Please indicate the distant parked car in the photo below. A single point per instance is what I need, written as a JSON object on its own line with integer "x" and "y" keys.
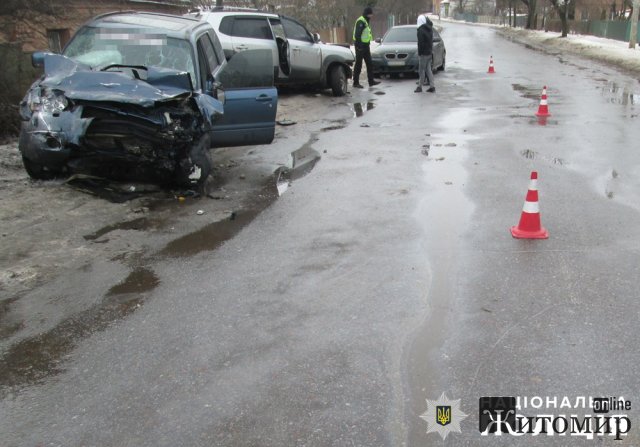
{"x": 398, "y": 52}
{"x": 144, "y": 96}
{"x": 299, "y": 57}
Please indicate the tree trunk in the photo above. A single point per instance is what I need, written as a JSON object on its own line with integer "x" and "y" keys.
{"x": 634, "y": 24}
{"x": 531, "y": 14}
{"x": 563, "y": 19}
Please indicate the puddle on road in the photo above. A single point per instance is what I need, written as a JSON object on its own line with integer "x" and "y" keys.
{"x": 30, "y": 361}
{"x": 139, "y": 280}
{"x": 303, "y": 160}
{"x": 527, "y": 92}
{"x": 337, "y": 125}
{"x": 213, "y": 235}
{"x": 531, "y": 154}
{"x": 541, "y": 121}
{"x": 379, "y": 93}
{"x": 8, "y": 325}
{"x": 360, "y": 108}
{"x": 139, "y": 224}
{"x": 616, "y": 94}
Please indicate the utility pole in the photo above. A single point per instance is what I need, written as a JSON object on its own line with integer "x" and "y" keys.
{"x": 634, "y": 24}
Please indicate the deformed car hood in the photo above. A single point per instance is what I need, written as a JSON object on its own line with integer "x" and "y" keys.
{"x": 395, "y": 46}
{"x": 79, "y": 82}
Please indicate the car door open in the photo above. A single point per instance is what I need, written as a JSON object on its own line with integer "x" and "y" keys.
{"x": 306, "y": 58}
{"x": 250, "y": 100}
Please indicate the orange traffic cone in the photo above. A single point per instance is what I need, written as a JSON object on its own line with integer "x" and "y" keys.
{"x": 529, "y": 226}
{"x": 543, "y": 108}
{"x": 491, "y": 69}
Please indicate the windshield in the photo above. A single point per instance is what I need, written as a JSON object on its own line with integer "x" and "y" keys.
{"x": 101, "y": 47}
{"x": 401, "y": 35}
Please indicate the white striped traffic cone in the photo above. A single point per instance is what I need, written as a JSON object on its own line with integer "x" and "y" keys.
{"x": 543, "y": 108}
{"x": 530, "y": 226}
{"x": 491, "y": 69}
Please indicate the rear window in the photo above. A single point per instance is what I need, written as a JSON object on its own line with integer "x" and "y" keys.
{"x": 252, "y": 27}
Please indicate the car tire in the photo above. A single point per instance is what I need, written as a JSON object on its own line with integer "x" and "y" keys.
{"x": 198, "y": 159}
{"x": 444, "y": 58}
{"x": 202, "y": 161}
{"x": 338, "y": 81}
{"x": 37, "y": 171}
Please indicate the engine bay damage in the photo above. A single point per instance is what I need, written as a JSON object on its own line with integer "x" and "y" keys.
{"x": 121, "y": 122}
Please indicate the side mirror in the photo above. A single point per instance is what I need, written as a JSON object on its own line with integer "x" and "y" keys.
{"x": 37, "y": 59}
{"x": 316, "y": 37}
{"x": 218, "y": 92}
{"x": 214, "y": 88}
{"x": 378, "y": 40}
{"x": 210, "y": 85}
{"x": 220, "y": 96}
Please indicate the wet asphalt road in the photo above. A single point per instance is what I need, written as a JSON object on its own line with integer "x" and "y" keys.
{"x": 387, "y": 276}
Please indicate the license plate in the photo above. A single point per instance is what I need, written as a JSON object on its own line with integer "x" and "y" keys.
{"x": 395, "y": 63}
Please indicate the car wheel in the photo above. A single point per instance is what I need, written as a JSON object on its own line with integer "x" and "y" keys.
{"x": 444, "y": 58}
{"x": 338, "y": 81}
{"x": 201, "y": 161}
{"x": 195, "y": 169}
{"x": 37, "y": 171}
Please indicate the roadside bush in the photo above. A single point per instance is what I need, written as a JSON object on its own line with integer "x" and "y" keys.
{"x": 16, "y": 76}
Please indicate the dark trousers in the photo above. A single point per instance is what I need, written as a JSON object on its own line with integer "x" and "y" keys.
{"x": 363, "y": 53}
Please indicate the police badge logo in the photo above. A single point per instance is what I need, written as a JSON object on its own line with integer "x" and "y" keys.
{"x": 443, "y": 416}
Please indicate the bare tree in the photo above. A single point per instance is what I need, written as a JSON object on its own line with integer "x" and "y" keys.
{"x": 531, "y": 12}
{"x": 461, "y": 5}
{"x": 562, "y": 8}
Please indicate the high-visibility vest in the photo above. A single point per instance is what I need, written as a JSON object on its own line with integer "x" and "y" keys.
{"x": 366, "y": 32}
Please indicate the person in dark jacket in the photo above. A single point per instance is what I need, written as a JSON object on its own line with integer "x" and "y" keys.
{"x": 425, "y": 53}
{"x": 362, "y": 37}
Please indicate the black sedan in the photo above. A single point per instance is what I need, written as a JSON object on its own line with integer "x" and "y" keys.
{"x": 398, "y": 51}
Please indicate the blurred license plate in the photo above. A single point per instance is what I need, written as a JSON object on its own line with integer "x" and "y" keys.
{"x": 395, "y": 63}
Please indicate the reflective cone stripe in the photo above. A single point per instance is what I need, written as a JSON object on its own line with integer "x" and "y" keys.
{"x": 529, "y": 226}
{"x": 543, "y": 108}
{"x": 491, "y": 69}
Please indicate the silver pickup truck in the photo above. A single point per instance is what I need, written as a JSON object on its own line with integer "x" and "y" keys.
{"x": 299, "y": 57}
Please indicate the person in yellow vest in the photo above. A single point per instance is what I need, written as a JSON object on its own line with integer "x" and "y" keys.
{"x": 362, "y": 37}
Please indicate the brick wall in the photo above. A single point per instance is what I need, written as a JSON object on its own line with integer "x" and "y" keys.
{"x": 42, "y": 32}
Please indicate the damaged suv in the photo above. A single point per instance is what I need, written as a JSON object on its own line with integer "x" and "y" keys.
{"x": 299, "y": 57}
{"x": 144, "y": 96}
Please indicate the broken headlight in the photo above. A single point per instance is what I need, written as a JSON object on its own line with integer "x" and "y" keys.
{"x": 47, "y": 101}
